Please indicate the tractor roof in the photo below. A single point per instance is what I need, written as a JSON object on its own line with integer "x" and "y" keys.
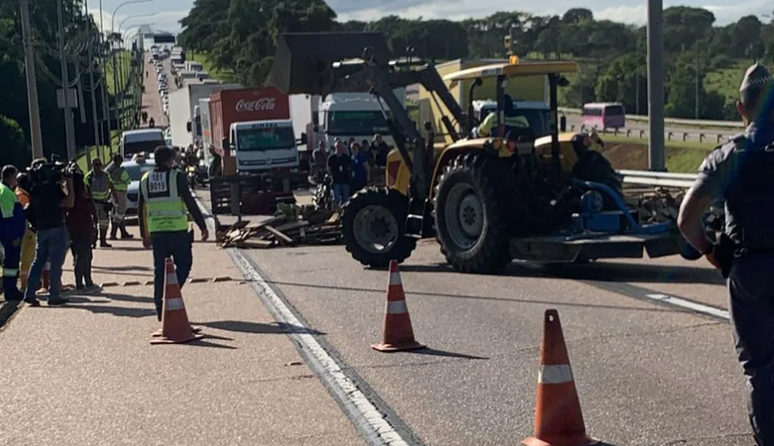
{"x": 511, "y": 70}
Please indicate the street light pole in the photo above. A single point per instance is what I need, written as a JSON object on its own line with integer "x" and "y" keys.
{"x": 103, "y": 85}
{"x": 68, "y": 116}
{"x": 655, "y": 85}
{"x": 32, "y": 87}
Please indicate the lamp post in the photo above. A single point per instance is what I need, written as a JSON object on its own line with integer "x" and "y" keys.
{"x": 123, "y": 76}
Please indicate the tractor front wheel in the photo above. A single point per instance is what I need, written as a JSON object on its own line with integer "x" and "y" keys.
{"x": 373, "y": 223}
{"x": 472, "y": 215}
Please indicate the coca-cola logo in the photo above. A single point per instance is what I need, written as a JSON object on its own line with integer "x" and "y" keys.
{"x": 257, "y": 105}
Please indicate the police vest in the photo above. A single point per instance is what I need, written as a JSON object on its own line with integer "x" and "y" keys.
{"x": 8, "y": 201}
{"x": 750, "y": 197}
{"x": 164, "y": 206}
{"x": 99, "y": 184}
{"x": 121, "y": 179}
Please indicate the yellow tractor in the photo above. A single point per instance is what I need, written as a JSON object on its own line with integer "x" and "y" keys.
{"x": 527, "y": 192}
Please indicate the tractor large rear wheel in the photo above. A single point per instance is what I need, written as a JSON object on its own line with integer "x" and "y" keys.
{"x": 472, "y": 215}
{"x": 373, "y": 223}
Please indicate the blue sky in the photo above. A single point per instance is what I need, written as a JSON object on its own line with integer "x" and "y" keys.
{"x": 167, "y": 13}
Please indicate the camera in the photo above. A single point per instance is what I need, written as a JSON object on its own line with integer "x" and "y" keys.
{"x": 45, "y": 178}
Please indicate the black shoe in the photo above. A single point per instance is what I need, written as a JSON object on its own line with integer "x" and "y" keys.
{"x": 79, "y": 287}
{"x": 33, "y": 302}
{"x": 60, "y": 301}
{"x": 14, "y": 297}
{"x": 105, "y": 244}
{"x": 127, "y": 236}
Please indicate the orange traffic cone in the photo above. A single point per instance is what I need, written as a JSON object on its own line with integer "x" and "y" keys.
{"x": 398, "y": 334}
{"x": 558, "y": 417}
{"x": 175, "y": 328}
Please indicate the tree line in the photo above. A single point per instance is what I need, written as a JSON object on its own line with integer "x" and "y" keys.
{"x": 240, "y": 36}
{"x": 80, "y": 35}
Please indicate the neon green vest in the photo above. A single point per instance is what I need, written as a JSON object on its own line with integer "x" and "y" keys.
{"x": 165, "y": 207}
{"x": 8, "y": 200}
{"x": 100, "y": 185}
{"x": 121, "y": 179}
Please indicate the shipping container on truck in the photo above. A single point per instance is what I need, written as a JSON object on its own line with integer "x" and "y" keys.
{"x": 182, "y": 103}
{"x": 252, "y": 131}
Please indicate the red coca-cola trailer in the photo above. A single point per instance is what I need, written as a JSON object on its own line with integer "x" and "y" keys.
{"x": 247, "y": 104}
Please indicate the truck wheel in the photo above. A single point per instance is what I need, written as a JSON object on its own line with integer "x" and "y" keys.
{"x": 472, "y": 215}
{"x": 373, "y": 223}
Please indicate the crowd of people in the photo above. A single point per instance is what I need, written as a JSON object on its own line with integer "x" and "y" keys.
{"x": 50, "y": 208}
{"x": 350, "y": 164}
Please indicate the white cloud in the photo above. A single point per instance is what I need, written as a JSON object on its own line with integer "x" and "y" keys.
{"x": 637, "y": 15}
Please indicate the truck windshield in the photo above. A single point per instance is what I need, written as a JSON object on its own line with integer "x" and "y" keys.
{"x": 356, "y": 123}
{"x": 267, "y": 138}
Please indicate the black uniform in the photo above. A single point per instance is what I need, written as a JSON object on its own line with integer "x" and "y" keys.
{"x": 741, "y": 172}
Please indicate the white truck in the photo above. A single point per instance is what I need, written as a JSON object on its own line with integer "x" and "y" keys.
{"x": 350, "y": 115}
{"x": 182, "y": 105}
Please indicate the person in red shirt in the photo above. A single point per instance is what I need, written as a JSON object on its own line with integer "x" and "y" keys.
{"x": 81, "y": 220}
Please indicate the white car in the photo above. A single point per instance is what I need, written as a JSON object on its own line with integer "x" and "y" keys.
{"x": 136, "y": 169}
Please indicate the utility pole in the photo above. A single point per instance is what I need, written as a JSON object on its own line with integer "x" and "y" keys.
{"x": 97, "y": 135}
{"x": 103, "y": 84}
{"x": 32, "y": 86}
{"x": 696, "y": 78}
{"x": 655, "y": 85}
{"x": 68, "y": 116}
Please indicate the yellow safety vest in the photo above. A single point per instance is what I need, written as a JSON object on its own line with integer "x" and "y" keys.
{"x": 491, "y": 123}
{"x": 165, "y": 208}
{"x": 8, "y": 200}
{"x": 121, "y": 179}
{"x": 99, "y": 185}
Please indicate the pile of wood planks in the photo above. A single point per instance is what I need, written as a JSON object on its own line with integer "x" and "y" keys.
{"x": 292, "y": 226}
{"x": 660, "y": 205}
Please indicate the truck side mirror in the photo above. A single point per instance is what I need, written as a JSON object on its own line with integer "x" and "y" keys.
{"x": 188, "y": 126}
{"x": 563, "y": 123}
{"x": 304, "y": 139}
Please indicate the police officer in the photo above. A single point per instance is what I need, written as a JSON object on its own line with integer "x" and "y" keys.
{"x": 121, "y": 181}
{"x": 164, "y": 198}
{"x": 740, "y": 172}
{"x": 512, "y": 121}
{"x": 12, "y": 225}
{"x": 101, "y": 189}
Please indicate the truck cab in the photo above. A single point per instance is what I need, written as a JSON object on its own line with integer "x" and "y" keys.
{"x": 263, "y": 145}
{"x": 352, "y": 115}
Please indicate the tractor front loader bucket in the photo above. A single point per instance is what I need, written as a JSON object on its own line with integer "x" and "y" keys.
{"x": 303, "y": 63}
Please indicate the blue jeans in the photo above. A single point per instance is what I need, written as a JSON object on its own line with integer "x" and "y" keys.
{"x": 340, "y": 194}
{"x": 51, "y": 246}
{"x": 176, "y": 245}
{"x": 751, "y": 289}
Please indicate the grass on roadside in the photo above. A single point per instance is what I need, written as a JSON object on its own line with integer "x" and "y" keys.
{"x": 123, "y": 59}
{"x": 632, "y": 153}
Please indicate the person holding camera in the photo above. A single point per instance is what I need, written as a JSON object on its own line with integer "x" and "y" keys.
{"x": 101, "y": 187}
{"x": 12, "y": 225}
{"x": 51, "y": 193}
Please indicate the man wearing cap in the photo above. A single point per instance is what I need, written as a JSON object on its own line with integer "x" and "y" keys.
{"x": 121, "y": 181}
{"x": 101, "y": 186}
{"x": 741, "y": 173}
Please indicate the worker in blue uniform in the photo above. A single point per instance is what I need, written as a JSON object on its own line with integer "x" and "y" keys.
{"x": 741, "y": 173}
{"x": 12, "y": 226}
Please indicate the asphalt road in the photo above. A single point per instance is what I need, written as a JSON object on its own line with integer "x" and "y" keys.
{"x": 647, "y": 373}
{"x": 711, "y": 134}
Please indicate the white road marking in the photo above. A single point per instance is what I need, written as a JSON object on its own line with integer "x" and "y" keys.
{"x": 689, "y": 305}
{"x": 365, "y": 414}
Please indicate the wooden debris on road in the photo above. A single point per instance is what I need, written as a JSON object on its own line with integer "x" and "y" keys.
{"x": 293, "y": 226}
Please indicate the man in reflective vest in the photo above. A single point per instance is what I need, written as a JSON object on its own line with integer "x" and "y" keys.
{"x": 101, "y": 189}
{"x": 12, "y": 225}
{"x": 490, "y": 125}
{"x": 121, "y": 181}
{"x": 164, "y": 198}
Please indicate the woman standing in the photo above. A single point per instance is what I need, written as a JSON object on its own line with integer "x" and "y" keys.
{"x": 81, "y": 219}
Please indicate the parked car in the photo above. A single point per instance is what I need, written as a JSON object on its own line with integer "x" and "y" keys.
{"x": 136, "y": 169}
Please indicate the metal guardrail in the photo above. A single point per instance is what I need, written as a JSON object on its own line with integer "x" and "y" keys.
{"x": 672, "y": 121}
{"x": 711, "y": 137}
{"x": 658, "y": 179}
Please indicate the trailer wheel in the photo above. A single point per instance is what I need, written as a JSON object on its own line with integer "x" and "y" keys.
{"x": 373, "y": 223}
{"x": 472, "y": 215}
